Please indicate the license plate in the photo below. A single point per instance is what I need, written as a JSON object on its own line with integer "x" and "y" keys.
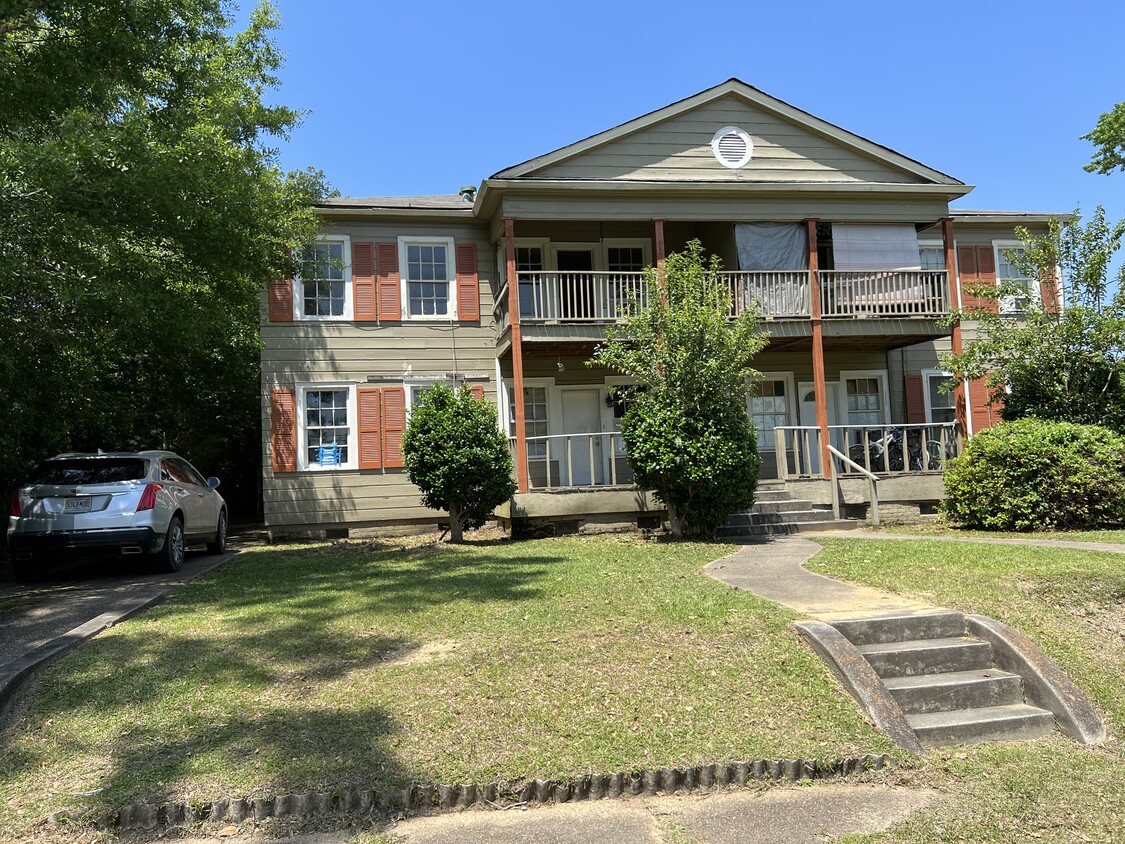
{"x": 76, "y": 505}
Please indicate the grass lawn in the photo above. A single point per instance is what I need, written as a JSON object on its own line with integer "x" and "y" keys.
{"x": 1072, "y": 603}
{"x": 939, "y": 528}
{"x": 302, "y": 668}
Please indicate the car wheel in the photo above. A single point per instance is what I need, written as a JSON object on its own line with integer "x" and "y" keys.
{"x": 219, "y": 544}
{"x": 171, "y": 556}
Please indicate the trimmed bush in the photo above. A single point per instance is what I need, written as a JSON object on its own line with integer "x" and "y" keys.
{"x": 1035, "y": 475}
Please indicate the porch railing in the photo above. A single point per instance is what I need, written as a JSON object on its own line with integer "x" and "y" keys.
{"x": 881, "y": 449}
{"x": 574, "y": 461}
{"x": 604, "y": 297}
{"x": 896, "y": 293}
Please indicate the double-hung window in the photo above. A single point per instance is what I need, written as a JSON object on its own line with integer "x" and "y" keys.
{"x": 324, "y": 286}
{"x": 865, "y": 401}
{"x": 326, "y": 426}
{"x": 532, "y": 284}
{"x": 536, "y": 422}
{"x": 428, "y": 277}
{"x": 940, "y": 406}
{"x": 769, "y": 409}
{"x": 1016, "y": 289}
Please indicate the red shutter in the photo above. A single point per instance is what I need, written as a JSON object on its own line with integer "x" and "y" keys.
{"x": 370, "y": 429}
{"x": 986, "y": 268}
{"x": 363, "y": 282}
{"x": 915, "y": 400}
{"x": 967, "y": 263}
{"x": 984, "y": 415}
{"x": 478, "y": 391}
{"x": 1049, "y": 291}
{"x": 283, "y": 437}
{"x": 468, "y": 283}
{"x": 281, "y": 300}
{"x": 394, "y": 423}
{"x": 387, "y": 281}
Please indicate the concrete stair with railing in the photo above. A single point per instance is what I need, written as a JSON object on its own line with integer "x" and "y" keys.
{"x": 777, "y": 512}
{"x": 945, "y": 682}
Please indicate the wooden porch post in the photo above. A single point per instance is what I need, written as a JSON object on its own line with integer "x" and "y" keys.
{"x": 522, "y": 484}
{"x": 819, "y": 385}
{"x": 658, "y": 225}
{"x": 960, "y": 399}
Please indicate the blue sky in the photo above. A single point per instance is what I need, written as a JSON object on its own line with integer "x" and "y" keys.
{"x": 423, "y": 97}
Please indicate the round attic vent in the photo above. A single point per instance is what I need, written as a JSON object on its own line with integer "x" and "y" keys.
{"x": 732, "y": 147}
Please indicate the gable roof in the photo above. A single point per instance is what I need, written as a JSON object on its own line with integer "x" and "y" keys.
{"x": 751, "y": 96}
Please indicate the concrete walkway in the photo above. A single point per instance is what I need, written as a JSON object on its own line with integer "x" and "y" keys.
{"x": 798, "y": 815}
{"x": 774, "y": 569}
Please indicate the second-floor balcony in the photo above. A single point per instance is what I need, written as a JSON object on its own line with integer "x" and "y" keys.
{"x": 551, "y": 297}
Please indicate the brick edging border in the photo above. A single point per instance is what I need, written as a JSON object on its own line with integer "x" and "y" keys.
{"x": 429, "y": 798}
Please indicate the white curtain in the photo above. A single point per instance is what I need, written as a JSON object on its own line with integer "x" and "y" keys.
{"x": 875, "y": 247}
{"x": 771, "y": 246}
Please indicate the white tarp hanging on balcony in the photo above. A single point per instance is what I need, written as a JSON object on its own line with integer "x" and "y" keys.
{"x": 875, "y": 247}
{"x": 771, "y": 246}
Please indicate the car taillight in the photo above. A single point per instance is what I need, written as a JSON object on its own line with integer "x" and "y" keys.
{"x": 14, "y": 506}
{"x": 148, "y": 497}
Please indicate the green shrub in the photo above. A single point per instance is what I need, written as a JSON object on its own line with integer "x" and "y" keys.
{"x": 456, "y": 454}
{"x": 1036, "y": 475}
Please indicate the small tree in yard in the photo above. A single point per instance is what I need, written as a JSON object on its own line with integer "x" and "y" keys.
{"x": 456, "y": 454}
{"x": 686, "y": 430}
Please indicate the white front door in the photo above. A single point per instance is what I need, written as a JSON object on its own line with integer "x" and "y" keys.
{"x": 581, "y": 464}
{"x": 808, "y": 417}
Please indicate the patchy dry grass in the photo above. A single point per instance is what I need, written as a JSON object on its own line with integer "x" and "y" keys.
{"x": 305, "y": 668}
{"x": 939, "y": 528}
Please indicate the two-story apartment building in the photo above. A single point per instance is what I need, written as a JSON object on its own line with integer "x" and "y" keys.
{"x": 849, "y": 250}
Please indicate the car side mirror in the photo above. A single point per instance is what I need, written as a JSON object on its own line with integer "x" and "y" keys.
{"x": 212, "y": 482}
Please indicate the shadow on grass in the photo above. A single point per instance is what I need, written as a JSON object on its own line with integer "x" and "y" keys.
{"x": 213, "y": 692}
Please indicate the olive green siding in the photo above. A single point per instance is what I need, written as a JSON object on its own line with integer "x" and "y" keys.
{"x": 350, "y": 352}
{"x": 679, "y": 149}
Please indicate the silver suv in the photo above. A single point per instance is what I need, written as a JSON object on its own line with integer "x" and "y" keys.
{"x": 146, "y": 502}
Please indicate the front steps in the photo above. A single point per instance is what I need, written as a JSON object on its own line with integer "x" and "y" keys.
{"x": 777, "y": 512}
{"x": 946, "y": 683}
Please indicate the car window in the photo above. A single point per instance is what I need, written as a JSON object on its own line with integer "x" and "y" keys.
{"x": 190, "y": 473}
{"x": 88, "y": 470}
{"x": 171, "y": 470}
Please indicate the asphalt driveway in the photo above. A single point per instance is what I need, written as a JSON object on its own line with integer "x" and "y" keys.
{"x": 34, "y": 614}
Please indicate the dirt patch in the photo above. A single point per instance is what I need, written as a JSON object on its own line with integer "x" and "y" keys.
{"x": 418, "y": 655}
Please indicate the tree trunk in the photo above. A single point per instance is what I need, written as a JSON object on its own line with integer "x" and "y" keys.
{"x": 455, "y": 533}
{"x": 675, "y": 523}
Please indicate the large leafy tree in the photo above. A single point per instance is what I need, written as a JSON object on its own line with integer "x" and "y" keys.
{"x": 685, "y": 429}
{"x": 1063, "y": 364}
{"x": 456, "y": 454}
{"x": 142, "y": 210}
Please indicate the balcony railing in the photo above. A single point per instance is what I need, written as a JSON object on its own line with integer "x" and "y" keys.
{"x": 882, "y": 449}
{"x": 898, "y": 293}
{"x": 605, "y": 297}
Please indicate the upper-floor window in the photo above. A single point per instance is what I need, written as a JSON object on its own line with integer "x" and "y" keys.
{"x": 1010, "y": 277}
{"x": 324, "y": 285}
{"x": 931, "y": 257}
{"x": 427, "y": 276}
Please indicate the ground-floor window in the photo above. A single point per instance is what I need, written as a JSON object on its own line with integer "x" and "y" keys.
{"x": 770, "y": 408}
{"x": 536, "y": 422}
{"x": 940, "y": 406}
{"x": 326, "y": 424}
{"x": 864, "y": 401}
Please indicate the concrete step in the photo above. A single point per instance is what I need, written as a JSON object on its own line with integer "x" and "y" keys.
{"x": 792, "y": 516}
{"x": 975, "y": 689}
{"x": 783, "y": 528}
{"x": 902, "y": 627}
{"x": 927, "y": 656}
{"x": 784, "y": 505}
{"x": 763, "y": 495}
{"x": 990, "y": 723}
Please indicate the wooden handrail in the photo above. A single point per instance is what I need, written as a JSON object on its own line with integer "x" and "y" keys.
{"x": 872, "y": 485}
